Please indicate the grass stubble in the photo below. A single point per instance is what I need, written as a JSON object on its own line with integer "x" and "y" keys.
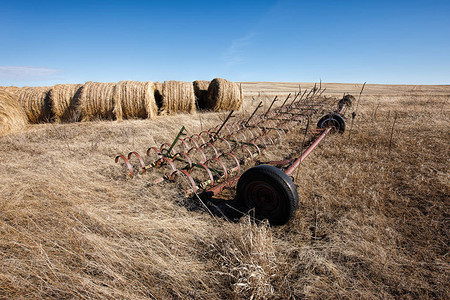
{"x": 368, "y": 225}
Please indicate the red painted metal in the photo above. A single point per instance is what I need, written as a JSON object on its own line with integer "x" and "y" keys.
{"x": 305, "y": 154}
{"x": 141, "y": 161}
{"x": 127, "y": 163}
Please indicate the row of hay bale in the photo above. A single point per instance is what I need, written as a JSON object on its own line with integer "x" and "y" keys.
{"x": 124, "y": 100}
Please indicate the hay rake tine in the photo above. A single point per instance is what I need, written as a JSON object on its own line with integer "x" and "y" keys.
{"x": 127, "y": 163}
{"x": 141, "y": 161}
{"x": 254, "y": 112}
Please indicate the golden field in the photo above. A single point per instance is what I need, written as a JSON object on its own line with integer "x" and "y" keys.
{"x": 369, "y": 224}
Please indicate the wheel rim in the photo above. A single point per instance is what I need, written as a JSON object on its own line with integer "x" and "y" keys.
{"x": 262, "y": 196}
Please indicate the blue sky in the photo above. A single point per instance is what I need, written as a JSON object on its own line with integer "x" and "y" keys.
{"x": 50, "y": 42}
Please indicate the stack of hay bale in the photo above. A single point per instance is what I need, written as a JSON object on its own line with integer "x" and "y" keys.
{"x": 123, "y": 100}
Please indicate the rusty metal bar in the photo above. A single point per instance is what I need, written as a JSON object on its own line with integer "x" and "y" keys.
{"x": 308, "y": 151}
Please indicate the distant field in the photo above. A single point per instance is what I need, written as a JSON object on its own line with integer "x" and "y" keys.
{"x": 282, "y": 88}
{"x": 372, "y": 220}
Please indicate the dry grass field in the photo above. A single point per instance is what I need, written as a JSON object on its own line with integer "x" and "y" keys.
{"x": 369, "y": 225}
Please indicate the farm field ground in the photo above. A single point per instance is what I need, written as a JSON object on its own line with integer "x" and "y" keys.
{"x": 369, "y": 224}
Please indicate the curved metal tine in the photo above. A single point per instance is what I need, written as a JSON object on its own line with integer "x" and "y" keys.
{"x": 209, "y": 137}
{"x": 194, "y": 158}
{"x": 244, "y": 150}
{"x": 209, "y": 154}
{"x": 200, "y": 140}
{"x": 228, "y": 158}
{"x": 127, "y": 163}
{"x": 203, "y": 182}
{"x": 183, "y": 158}
{"x": 184, "y": 144}
{"x": 222, "y": 145}
{"x": 258, "y": 150}
{"x": 191, "y": 140}
{"x": 164, "y": 149}
{"x": 141, "y": 161}
{"x": 211, "y": 166}
{"x": 153, "y": 158}
{"x": 186, "y": 181}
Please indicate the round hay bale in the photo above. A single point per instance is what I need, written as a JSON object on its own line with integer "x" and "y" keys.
{"x": 157, "y": 87}
{"x": 177, "y": 97}
{"x": 12, "y": 115}
{"x": 137, "y": 99}
{"x": 10, "y": 89}
{"x": 224, "y": 95}
{"x": 201, "y": 92}
{"x": 36, "y": 103}
{"x": 96, "y": 101}
{"x": 62, "y": 97}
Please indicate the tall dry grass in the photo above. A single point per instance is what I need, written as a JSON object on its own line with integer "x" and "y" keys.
{"x": 368, "y": 225}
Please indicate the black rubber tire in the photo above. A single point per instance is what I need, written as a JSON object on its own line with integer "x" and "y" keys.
{"x": 270, "y": 192}
{"x": 334, "y": 120}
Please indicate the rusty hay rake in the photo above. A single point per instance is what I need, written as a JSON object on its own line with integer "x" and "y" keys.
{"x": 228, "y": 155}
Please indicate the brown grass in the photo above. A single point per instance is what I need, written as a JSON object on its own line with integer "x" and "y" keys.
{"x": 201, "y": 92}
{"x": 224, "y": 95}
{"x": 62, "y": 98}
{"x": 368, "y": 225}
{"x": 177, "y": 97}
{"x": 12, "y": 116}
{"x": 97, "y": 101}
{"x": 36, "y": 103}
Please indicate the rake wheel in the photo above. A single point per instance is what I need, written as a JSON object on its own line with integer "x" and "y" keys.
{"x": 332, "y": 120}
{"x": 269, "y": 192}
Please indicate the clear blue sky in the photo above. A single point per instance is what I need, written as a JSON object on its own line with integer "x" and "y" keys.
{"x": 50, "y": 42}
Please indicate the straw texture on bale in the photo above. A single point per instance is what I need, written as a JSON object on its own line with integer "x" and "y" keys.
{"x": 96, "y": 101}
{"x": 224, "y": 95}
{"x": 177, "y": 97}
{"x": 36, "y": 103}
{"x": 137, "y": 99}
{"x": 201, "y": 92}
{"x": 10, "y": 89}
{"x": 12, "y": 116}
{"x": 62, "y": 97}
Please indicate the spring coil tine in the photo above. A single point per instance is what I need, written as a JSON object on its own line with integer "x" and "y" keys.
{"x": 199, "y": 138}
{"x": 257, "y": 149}
{"x": 238, "y": 165}
{"x": 141, "y": 161}
{"x": 176, "y": 173}
{"x": 224, "y": 168}
{"x": 208, "y": 171}
{"x": 225, "y": 141}
{"x": 201, "y": 153}
{"x": 216, "y": 154}
{"x": 192, "y": 141}
{"x": 185, "y": 156}
{"x": 154, "y": 149}
{"x": 185, "y": 144}
{"x": 249, "y": 152}
{"x": 129, "y": 166}
{"x": 169, "y": 161}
